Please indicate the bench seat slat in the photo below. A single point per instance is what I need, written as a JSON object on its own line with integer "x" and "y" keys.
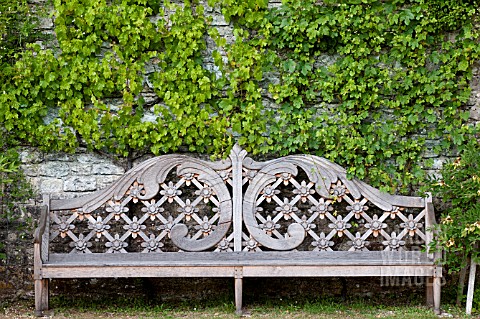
{"x": 110, "y": 271}
{"x": 240, "y": 259}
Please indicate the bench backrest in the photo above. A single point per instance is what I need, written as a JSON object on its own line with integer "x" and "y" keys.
{"x": 180, "y": 203}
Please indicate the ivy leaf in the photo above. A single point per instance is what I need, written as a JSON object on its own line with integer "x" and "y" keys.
{"x": 463, "y": 65}
{"x": 465, "y": 115}
{"x": 306, "y": 68}
{"x": 406, "y": 15}
{"x": 289, "y": 66}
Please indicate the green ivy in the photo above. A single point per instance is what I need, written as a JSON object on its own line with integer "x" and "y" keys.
{"x": 367, "y": 84}
{"x": 17, "y": 28}
{"x": 15, "y": 190}
{"x": 458, "y": 233}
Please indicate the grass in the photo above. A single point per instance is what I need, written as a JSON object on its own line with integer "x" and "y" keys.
{"x": 138, "y": 308}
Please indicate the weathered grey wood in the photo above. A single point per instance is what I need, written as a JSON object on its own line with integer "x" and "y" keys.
{"x": 437, "y": 288}
{"x": 429, "y": 291}
{"x": 238, "y": 295}
{"x": 471, "y": 286}
{"x": 38, "y": 298}
{"x": 324, "y": 173}
{"x": 237, "y": 156}
{"x": 265, "y": 177}
{"x": 46, "y": 233}
{"x": 45, "y": 293}
{"x": 137, "y": 271}
{"x": 179, "y": 232}
{"x": 429, "y": 223}
{"x": 150, "y": 173}
{"x": 42, "y": 224}
{"x": 111, "y": 271}
{"x": 41, "y": 296}
{"x": 37, "y": 261}
{"x": 338, "y": 271}
{"x": 252, "y": 184}
{"x": 291, "y": 258}
{"x": 238, "y": 290}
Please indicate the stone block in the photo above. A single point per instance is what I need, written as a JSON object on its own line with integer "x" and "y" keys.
{"x": 150, "y": 98}
{"x": 29, "y": 156}
{"x": 87, "y": 159}
{"x": 54, "y": 169}
{"x": 274, "y": 4}
{"x": 115, "y": 104}
{"x": 107, "y": 169}
{"x": 151, "y": 68}
{"x": 80, "y": 184}
{"x": 80, "y": 168}
{"x": 227, "y": 33}
{"x": 430, "y": 145}
{"x": 149, "y": 117}
{"x": 30, "y": 170}
{"x": 149, "y": 83}
{"x": 61, "y": 157}
{"x": 214, "y": 69}
{"x": 35, "y": 182}
{"x": 325, "y": 60}
{"x": 106, "y": 180}
{"x": 438, "y": 163}
{"x": 45, "y": 23}
{"x": 50, "y": 185}
{"x": 218, "y": 20}
{"x": 475, "y": 111}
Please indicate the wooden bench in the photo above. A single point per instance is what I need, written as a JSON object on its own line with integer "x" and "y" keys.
{"x": 177, "y": 216}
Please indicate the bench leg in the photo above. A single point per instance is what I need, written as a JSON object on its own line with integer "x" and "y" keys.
{"x": 429, "y": 291}
{"x": 238, "y": 295}
{"x": 41, "y": 296}
{"x": 437, "y": 288}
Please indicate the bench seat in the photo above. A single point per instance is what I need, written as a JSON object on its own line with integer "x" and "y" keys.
{"x": 233, "y": 259}
{"x": 217, "y": 264}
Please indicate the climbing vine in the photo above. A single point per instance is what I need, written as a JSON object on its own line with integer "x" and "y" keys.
{"x": 368, "y": 84}
{"x": 17, "y": 29}
{"x": 460, "y": 223}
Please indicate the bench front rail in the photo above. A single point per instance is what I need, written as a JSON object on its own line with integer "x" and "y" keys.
{"x": 178, "y": 216}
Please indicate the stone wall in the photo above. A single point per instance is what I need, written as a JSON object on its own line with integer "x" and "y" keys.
{"x": 474, "y": 101}
{"x": 69, "y": 175}
{"x": 16, "y": 270}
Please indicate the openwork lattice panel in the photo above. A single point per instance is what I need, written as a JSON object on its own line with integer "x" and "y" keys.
{"x": 179, "y": 203}
{"x": 294, "y": 204}
{"x": 189, "y": 209}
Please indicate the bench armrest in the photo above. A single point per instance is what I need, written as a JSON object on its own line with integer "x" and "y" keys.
{"x": 40, "y": 230}
{"x": 40, "y": 239}
{"x": 430, "y": 225}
